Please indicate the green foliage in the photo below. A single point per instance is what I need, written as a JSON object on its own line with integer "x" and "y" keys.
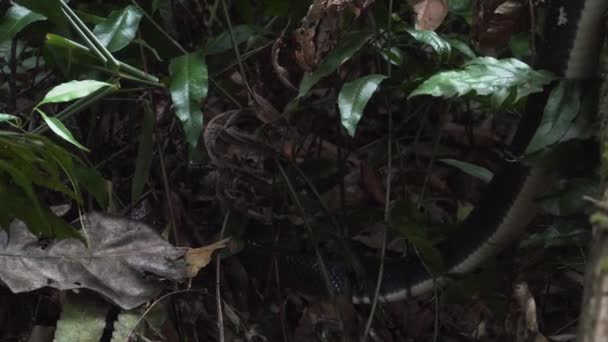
{"x": 562, "y": 108}
{"x": 28, "y": 163}
{"x": 72, "y": 90}
{"x": 83, "y": 318}
{"x": 350, "y": 44}
{"x": 474, "y": 170}
{"x": 500, "y": 79}
{"x": 51, "y": 9}
{"x": 15, "y": 20}
{"x": 119, "y": 29}
{"x": 189, "y": 86}
{"x": 354, "y": 97}
{"x": 144, "y": 155}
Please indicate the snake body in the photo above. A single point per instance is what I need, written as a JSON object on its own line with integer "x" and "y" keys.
{"x": 570, "y": 49}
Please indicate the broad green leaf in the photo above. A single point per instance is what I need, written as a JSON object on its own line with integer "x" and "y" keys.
{"x": 93, "y": 181}
{"x": 10, "y": 118}
{"x": 222, "y": 42}
{"x": 26, "y": 187}
{"x": 462, "y": 47}
{"x": 58, "y": 128}
{"x": 562, "y": 108}
{"x": 471, "y": 169}
{"x": 73, "y": 90}
{"x": 500, "y": 78}
{"x": 127, "y": 322}
{"x": 15, "y": 19}
{"x": 144, "y": 156}
{"x": 189, "y": 86}
{"x": 119, "y": 29}
{"x": 440, "y": 45}
{"x": 350, "y": 44}
{"x": 83, "y": 318}
{"x": 354, "y": 97}
{"x": 51, "y": 9}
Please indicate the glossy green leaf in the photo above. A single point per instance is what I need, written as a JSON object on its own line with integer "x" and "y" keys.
{"x": 73, "y": 90}
{"x": 119, "y": 29}
{"x": 462, "y": 47}
{"x": 350, "y": 44}
{"x": 58, "y": 128}
{"x": 471, "y": 169}
{"x": 354, "y": 97}
{"x": 500, "y": 78}
{"x": 562, "y": 108}
{"x": 189, "y": 86}
{"x": 15, "y": 20}
{"x": 51, "y": 9}
{"x": 440, "y": 45}
{"x": 83, "y": 318}
{"x": 10, "y": 118}
{"x": 143, "y": 161}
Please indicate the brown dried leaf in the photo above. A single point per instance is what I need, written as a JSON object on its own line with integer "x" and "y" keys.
{"x": 119, "y": 253}
{"x": 197, "y": 258}
{"x": 429, "y": 13}
{"x": 372, "y": 184}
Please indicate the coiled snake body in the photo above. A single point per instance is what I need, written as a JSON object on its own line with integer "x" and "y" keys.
{"x": 570, "y": 49}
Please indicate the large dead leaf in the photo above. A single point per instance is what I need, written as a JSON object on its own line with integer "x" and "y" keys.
{"x": 429, "y": 13}
{"x": 125, "y": 260}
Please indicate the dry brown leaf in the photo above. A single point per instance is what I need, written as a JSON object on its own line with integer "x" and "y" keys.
{"x": 372, "y": 184}
{"x": 429, "y": 13}
{"x": 197, "y": 258}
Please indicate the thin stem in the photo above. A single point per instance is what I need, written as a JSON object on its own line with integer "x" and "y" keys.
{"x": 236, "y": 48}
{"x": 159, "y": 28}
{"x": 389, "y": 167}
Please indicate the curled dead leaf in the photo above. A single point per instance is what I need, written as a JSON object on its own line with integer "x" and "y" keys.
{"x": 197, "y": 258}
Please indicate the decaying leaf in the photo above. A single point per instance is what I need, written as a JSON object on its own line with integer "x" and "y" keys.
{"x": 320, "y": 28}
{"x": 124, "y": 261}
{"x": 429, "y": 13}
{"x": 197, "y": 258}
{"x": 496, "y": 21}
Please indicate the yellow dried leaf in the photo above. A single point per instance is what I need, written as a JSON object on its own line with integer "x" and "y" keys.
{"x": 197, "y": 258}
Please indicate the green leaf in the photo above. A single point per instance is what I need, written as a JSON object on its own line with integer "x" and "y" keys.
{"x": 562, "y": 108}
{"x": 189, "y": 86}
{"x": 474, "y": 170}
{"x": 73, "y": 90}
{"x": 350, "y": 44}
{"x": 119, "y": 29}
{"x": 440, "y": 45}
{"x": 15, "y": 20}
{"x": 10, "y": 118}
{"x": 93, "y": 181}
{"x": 354, "y": 97}
{"x": 58, "y": 128}
{"x": 83, "y": 318}
{"x": 144, "y": 156}
{"x": 462, "y": 47}
{"x": 51, "y": 9}
{"x": 487, "y": 76}
{"x": 222, "y": 42}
